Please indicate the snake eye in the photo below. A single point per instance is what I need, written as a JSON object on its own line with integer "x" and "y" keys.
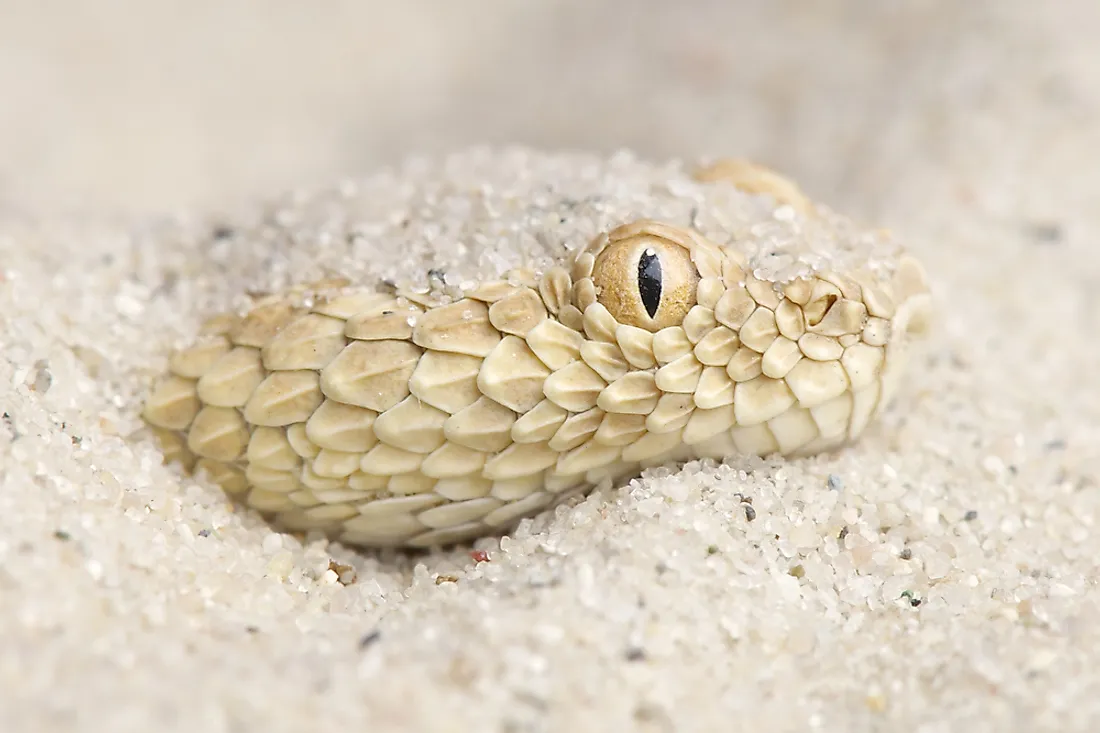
{"x": 646, "y": 281}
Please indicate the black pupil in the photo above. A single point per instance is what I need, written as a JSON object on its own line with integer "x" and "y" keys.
{"x": 649, "y": 281}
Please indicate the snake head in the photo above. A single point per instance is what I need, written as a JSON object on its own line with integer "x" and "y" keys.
{"x": 679, "y": 332}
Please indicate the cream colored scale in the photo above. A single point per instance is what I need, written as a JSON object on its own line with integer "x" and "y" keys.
{"x": 387, "y": 419}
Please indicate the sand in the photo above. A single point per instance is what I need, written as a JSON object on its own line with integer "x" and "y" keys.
{"x": 938, "y": 576}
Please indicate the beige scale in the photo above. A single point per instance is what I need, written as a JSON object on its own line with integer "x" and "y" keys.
{"x": 390, "y": 419}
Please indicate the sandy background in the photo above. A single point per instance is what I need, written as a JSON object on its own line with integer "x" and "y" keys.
{"x": 962, "y": 595}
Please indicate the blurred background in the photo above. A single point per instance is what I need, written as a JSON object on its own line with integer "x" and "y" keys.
{"x": 150, "y": 105}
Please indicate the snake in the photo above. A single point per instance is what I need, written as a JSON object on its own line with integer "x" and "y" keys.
{"x": 387, "y": 416}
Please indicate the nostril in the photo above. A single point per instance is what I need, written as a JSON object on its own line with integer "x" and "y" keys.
{"x": 818, "y": 309}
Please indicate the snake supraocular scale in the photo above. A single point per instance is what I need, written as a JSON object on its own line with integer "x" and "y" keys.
{"x": 394, "y": 418}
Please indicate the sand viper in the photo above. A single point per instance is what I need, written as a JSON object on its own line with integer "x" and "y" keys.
{"x": 402, "y": 417}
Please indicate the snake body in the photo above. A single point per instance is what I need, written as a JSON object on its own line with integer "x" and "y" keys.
{"x": 396, "y": 417}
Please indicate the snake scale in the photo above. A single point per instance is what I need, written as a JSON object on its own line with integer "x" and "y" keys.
{"x": 395, "y": 417}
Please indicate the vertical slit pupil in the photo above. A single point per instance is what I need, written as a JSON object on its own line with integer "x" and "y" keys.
{"x": 649, "y": 281}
